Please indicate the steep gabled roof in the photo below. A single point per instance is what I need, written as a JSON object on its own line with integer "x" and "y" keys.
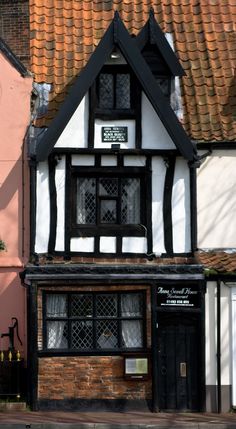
{"x": 117, "y": 35}
{"x": 64, "y": 34}
{"x": 152, "y": 34}
{"x": 4, "y": 48}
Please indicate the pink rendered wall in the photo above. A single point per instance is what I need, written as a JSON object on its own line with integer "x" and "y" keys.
{"x": 15, "y": 92}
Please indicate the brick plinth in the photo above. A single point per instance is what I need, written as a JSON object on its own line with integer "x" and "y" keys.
{"x": 90, "y": 377}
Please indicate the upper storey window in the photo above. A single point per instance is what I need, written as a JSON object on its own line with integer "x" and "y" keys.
{"x": 116, "y": 93}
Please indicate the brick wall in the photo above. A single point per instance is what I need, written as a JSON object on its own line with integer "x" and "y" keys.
{"x": 14, "y": 27}
{"x": 89, "y": 377}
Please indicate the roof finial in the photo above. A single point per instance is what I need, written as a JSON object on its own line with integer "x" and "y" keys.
{"x": 151, "y": 12}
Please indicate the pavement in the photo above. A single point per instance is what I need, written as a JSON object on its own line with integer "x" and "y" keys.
{"x": 111, "y": 420}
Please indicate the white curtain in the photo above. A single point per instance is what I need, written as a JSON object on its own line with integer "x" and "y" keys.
{"x": 131, "y": 329}
{"x": 131, "y": 189}
{"x": 56, "y": 307}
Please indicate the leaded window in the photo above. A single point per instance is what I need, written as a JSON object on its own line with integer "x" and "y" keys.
{"x": 114, "y": 91}
{"x": 94, "y": 321}
{"x": 108, "y": 200}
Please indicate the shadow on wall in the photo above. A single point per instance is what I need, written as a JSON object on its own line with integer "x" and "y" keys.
{"x": 12, "y": 304}
{"x": 9, "y": 188}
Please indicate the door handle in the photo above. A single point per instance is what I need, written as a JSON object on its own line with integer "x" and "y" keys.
{"x": 183, "y": 369}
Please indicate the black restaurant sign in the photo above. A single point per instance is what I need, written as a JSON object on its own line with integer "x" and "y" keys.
{"x": 114, "y": 134}
{"x": 171, "y": 296}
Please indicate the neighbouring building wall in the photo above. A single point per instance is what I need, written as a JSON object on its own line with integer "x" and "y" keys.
{"x": 216, "y": 203}
{"x": 15, "y": 92}
{"x": 211, "y": 346}
{"x": 14, "y": 27}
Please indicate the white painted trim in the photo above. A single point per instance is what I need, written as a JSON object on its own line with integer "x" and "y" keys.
{"x": 82, "y": 160}
{"x": 108, "y": 160}
{"x": 60, "y": 189}
{"x": 82, "y": 244}
{"x": 107, "y": 245}
{"x": 181, "y": 208}
{"x": 136, "y": 161}
{"x": 42, "y": 208}
{"x": 134, "y": 245}
{"x": 158, "y": 181}
{"x": 233, "y": 344}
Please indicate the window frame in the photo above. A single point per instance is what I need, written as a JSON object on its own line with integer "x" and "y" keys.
{"x": 94, "y": 319}
{"x": 117, "y": 113}
{"x": 109, "y": 229}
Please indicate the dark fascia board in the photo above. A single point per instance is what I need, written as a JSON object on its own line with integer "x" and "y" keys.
{"x": 117, "y": 35}
{"x": 152, "y": 33}
{"x": 7, "y": 52}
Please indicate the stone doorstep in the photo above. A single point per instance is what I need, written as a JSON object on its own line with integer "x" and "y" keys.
{"x": 13, "y": 406}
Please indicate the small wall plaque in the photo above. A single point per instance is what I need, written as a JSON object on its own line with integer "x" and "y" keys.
{"x": 114, "y": 134}
{"x": 136, "y": 367}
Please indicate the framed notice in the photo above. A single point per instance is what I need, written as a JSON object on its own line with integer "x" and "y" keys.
{"x": 179, "y": 296}
{"x": 114, "y": 134}
{"x": 136, "y": 367}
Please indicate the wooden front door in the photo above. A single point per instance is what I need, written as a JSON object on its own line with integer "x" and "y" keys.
{"x": 179, "y": 363}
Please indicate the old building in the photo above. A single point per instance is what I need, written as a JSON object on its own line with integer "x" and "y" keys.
{"x": 129, "y": 285}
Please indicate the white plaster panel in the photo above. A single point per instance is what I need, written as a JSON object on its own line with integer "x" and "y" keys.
{"x": 109, "y": 160}
{"x": 42, "y": 208}
{"x": 75, "y": 133}
{"x": 82, "y": 244}
{"x": 116, "y": 123}
{"x": 82, "y": 160}
{"x": 210, "y": 332}
{"x": 107, "y": 244}
{"x": 233, "y": 306}
{"x": 60, "y": 189}
{"x": 158, "y": 180}
{"x": 136, "y": 161}
{"x": 181, "y": 208}
{"x": 154, "y": 134}
{"x": 216, "y": 202}
{"x": 134, "y": 245}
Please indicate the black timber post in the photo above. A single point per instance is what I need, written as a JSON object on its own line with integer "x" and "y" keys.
{"x": 219, "y": 404}
{"x": 32, "y": 324}
{"x": 155, "y": 405}
{"x": 193, "y": 205}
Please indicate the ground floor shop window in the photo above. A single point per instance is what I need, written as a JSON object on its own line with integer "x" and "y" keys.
{"x": 94, "y": 321}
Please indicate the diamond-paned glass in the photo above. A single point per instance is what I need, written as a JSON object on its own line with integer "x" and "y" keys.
{"x": 108, "y": 211}
{"x": 81, "y": 305}
{"x": 130, "y": 200}
{"x": 106, "y": 305}
{"x": 106, "y": 94}
{"x": 108, "y": 187}
{"x": 107, "y": 334}
{"x": 57, "y": 335}
{"x": 122, "y": 91}
{"x": 86, "y": 200}
{"x": 82, "y": 334}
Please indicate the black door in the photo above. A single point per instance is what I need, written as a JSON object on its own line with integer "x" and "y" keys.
{"x": 179, "y": 363}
